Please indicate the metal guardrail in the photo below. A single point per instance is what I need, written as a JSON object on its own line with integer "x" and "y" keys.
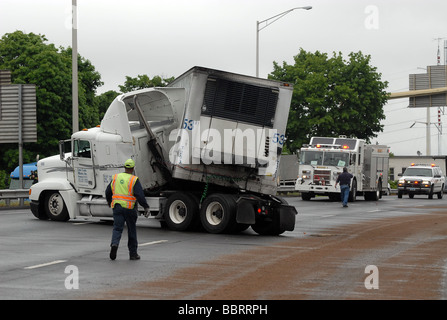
{"x": 14, "y": 194}
{"x": 11, "y": 194}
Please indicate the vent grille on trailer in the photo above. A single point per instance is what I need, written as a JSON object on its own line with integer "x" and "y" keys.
{"x": 240, "y": 102}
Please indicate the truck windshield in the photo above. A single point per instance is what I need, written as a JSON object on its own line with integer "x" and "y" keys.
{"x": 325, "y": 158}
{"x": 418, "y": 172}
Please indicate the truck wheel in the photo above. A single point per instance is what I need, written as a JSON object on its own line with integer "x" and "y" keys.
{"x": 55, "y": 207}
{"x": 353, "y": 192}
{"x": 430, "y": 195}
{"x": 218, "y": 213}
{"x": 375, "y": 195}
{"x": 38, "y": 211}
{"x": 181, "y": 211}
{"x": 306, "y": 196}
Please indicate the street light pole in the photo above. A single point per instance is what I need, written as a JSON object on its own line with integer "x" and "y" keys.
{"x": 267, "y": 23}
{"x": 74, "y": 66}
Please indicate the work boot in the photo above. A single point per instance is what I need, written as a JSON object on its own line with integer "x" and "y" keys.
{"x": 113, "y": 250}
{"x": 135, "y": 257}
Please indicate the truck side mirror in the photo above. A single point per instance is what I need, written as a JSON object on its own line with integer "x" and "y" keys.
{"x": 62, "y": 150}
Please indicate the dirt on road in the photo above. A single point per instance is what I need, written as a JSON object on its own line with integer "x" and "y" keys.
{"x": 408, "y": 255}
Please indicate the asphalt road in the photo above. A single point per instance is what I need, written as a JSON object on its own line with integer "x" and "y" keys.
{"x": 69, "y": 260}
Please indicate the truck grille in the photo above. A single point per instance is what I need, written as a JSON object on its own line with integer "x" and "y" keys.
{"x": 240, "y": 102}
{"x": 322, "y": 176}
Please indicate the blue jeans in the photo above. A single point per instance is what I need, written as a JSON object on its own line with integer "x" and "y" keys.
{"x": 344, "y": 189}
{"x": 129, "y": 216}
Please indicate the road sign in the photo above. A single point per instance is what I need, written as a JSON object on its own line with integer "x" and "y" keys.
{"x": 18, "y": 119}
{"x": 436, "y": 77}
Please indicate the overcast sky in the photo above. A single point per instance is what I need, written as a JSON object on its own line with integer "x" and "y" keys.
{"x": 132, "y": 37}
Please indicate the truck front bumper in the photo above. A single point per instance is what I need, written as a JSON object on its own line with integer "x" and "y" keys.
{"x": 310, "y": 187}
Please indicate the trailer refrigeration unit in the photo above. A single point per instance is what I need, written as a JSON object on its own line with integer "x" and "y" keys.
{"x": 324, "y": 158}
{"x": 206, "y": 149}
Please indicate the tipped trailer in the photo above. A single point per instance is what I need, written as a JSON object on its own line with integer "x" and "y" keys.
{"x": 206, "y": 149}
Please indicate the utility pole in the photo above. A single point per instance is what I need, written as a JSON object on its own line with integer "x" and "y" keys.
{"x": 74, "y": 65}
{"x": 439, "y": 126}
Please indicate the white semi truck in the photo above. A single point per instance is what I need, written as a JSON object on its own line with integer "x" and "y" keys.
{"x": 323, "y": 159}
{"x": 206, "y": 148}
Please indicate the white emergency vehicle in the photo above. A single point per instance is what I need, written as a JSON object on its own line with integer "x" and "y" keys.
{"x": 323, "y": 159}
{"x": 424, "y": 179}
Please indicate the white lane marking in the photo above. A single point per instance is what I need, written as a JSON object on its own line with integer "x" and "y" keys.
{"x": 152, "y": 242}
{"x": 81, "y": 223}
{"x": 45, "y": 264}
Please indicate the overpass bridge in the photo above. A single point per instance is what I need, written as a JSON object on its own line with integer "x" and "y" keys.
{"x": 417, "y": 93}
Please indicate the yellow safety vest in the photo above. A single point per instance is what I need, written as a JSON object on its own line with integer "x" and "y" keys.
{"x": 122, "y": 189}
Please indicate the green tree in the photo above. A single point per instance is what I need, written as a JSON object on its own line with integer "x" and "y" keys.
{"x": 32, "y": 60}
{"x": 332, "y": 96}
{"x": 143, "y": 81}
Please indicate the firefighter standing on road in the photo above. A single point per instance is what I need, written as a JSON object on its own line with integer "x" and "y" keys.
{"x": 345, "y": 181}
{"x": 122, "y": 194}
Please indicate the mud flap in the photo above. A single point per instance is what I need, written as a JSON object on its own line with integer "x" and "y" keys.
{"x": 245, "y": 212}
{"x": 287, "y": 217}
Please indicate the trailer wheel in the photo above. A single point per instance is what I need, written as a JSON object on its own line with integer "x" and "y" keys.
{"x": 181, "y": 211}
{"x": 55, "y": 207}
{"x": 218, "y": 213}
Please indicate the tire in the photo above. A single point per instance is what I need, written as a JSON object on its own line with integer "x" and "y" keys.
{"x": 181, "y": 211}
{"x": 306, "y": 196}
{"x": 430, "y": 195}
{"x": 37, "y": 209}
{"x": 218, "y": 213}
{"x": 353, "y": 192}
{"x": 376, "y": 195}
{"x": 55, "y": 207}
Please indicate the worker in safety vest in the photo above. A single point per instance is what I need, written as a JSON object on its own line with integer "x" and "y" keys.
{"x": 122, "y": 194}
